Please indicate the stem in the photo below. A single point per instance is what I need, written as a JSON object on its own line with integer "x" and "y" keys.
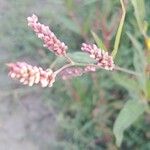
{"x": 65, "y": 56}
{"x": 72, "y": 64}
{"x": 69, "y": 59}
{"x": 83, "y": 65}
{"x": 64, "y": 67}
{"x": 126, "y": 71}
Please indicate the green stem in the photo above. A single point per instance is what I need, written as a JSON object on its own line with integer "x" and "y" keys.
{"x": 62, "y": 68}
{"x": 117, "y": 68}
{"x": 127, "y": 71}
{"x": 68, "y": 59}
{"x": 73, "y": 64}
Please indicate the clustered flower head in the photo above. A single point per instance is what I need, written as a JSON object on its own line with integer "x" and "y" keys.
{"x": 50, "y": 40}
{"x": 104, "y": 60}
{"x": 30, "y": 75}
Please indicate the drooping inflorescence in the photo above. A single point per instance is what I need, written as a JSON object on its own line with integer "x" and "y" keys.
{"x": 50, "y": 40}
{"x": 30, "y": 75}
{"x": 104, "y": 60}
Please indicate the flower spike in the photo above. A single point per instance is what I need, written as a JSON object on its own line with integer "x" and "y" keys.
{"x": 104, "y": 60}
{"x": 29, "y": 75}
{"x": 50, "y": 40}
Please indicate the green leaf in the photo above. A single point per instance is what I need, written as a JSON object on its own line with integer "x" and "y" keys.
{"x": 69, "y": 4}
{"x": 79, "y": 57}
{"x": 128, "y": 83}
{"x": 139, "y": 62}
{"x": 69, "y": 24}
{"x": 119, "y": 31}
{"x": 98, "y": 41}
{"x": 89, "y": 2}
{"x": 139, "y": 58}
{"x": 86, "y": 24}
{"x": 127, "y": 116}
{"x": 148, "y": 89}
{"x": 139, "y": 10}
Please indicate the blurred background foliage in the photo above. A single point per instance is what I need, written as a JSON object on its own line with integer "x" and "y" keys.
{"x": 87, "y": 106}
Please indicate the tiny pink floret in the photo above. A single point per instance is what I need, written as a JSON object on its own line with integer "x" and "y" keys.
{"x": 29, "y": 75}
{"x": 50, "y": 40}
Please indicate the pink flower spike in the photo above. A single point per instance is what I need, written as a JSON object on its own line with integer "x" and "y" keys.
{"x": 50, "y": 40}
{"x": 104, "y": 60}
{"x": 71, "y": 72}
{"x": 89, "y": 68}
{"x": 30, "y": 75}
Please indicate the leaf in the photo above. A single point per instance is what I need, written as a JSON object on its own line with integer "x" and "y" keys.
{"x": 148, "y": 89}
{"x": 89, "y": 2}
{"x": 69, "y": 24}
{"x": 139, "y": 9}
{"x": 79, "y": 57}
{"x": 98, "y": 41}
{"x": 128, "y": 83}
{"x": 127, "y": 116}
{"x": 86, "y": 24}
{"x": 139, "y": 61}
{"x": 139, "y": 58}
{"x": 69, "y": 4}
{"x": 119, "y": 31}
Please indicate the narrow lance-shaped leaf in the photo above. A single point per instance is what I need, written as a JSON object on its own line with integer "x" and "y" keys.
{"x": 139, "y": 58}
{"x": 139, "y": 62}
{"x": 128, "y": 115}
{"x": 139, "y": 9}
{"x": 98, "y": 41}
{"x": 119, "y": 31}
